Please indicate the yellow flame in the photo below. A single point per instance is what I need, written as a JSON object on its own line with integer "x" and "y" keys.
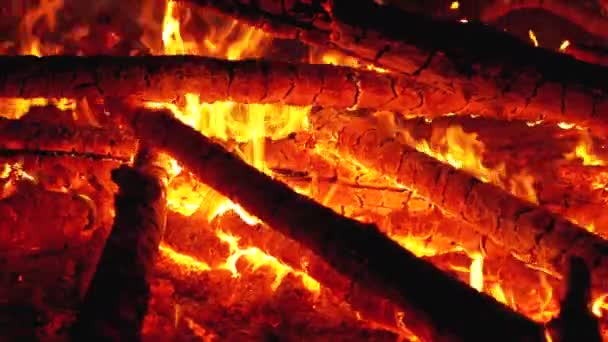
{"x": 337, "y": 58}
{"x": 476, "y": 272}
{"x": 186, "y": 262}
{"x": 497, "y": 292}
{"x": 454, "y": 5}
{"x": 584, "y": 151}
{"x": 533, "y": 37}
{"x": 564, "y": 45}
{"x": 47, "y": 10}
{"x": 599, "y": 305}
{"x": 257, "y": 259}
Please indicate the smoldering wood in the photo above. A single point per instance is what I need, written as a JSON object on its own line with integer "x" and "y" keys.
{"x": 357, "y": 250}
{"x": 117, "y": 299}
{"x": 471, "y": 62}
{"x": 532, "y": 233}
{"x": 19, "y": 136}
{"x": 575, "y": 321}
{"x": 165, "y": 78}
{"x": 573, "y": 11}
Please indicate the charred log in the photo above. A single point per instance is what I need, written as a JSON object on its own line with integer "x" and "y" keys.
{"x": 19, "y": 136}
{"x": 531, "y": 233}
{"x": 358, "y": 251}
{"x": 116, "y": 302}
{"x": 575, "y": 321}
{"x": 166, "y": 78}
{"x": 470, "y": 62}
{"x": 573, "y": 11}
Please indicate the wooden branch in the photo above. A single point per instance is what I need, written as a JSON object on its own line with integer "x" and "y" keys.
{"x": 575, "y": 321}
{"x": 532, "y": 233}
{"x": 117, "y": 299}
{"x": 359, "y": 251}
{"x": 22, "y": 136}
{"x": 573, "y": 11}
{"x": 164, "y": 78}
{"x": 471, "y": 61}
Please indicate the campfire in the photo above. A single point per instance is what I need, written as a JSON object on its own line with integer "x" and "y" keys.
{"x": 304, "y": 170}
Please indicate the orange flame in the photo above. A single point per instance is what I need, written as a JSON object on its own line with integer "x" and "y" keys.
{"x": 533, "y": 38}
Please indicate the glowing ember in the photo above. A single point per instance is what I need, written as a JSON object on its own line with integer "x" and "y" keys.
{"x": 476, "y": 273}
{"x": 564, "y": 45}
{"x": 454, "y": 5}
{"x": 533, "y": 37}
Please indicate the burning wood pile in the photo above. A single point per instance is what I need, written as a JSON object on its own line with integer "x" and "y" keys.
{"x": 290, "y": 170}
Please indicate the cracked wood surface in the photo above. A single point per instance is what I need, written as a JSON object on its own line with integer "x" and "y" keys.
{"x": 19, "y": 136}
{"x": 530, "y": 232}
{"x": 356, "y": 250}
{"x": 483, "y": 71}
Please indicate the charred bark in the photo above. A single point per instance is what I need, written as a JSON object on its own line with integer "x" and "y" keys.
{"x": 573, "y": 11}
{"x": 358, "y": 251}
{"x": 575, "y": 322}
{"x": 116, "y": 302}
{"x": 17, "y": 136}
{"x": 470, "y": 62}
{"x": 530, "y": 232}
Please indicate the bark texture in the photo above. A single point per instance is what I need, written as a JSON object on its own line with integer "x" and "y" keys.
{"x": 20, "y": 136}
{"x": 532, "y": 233}
{"x": 357, "y": 250}
{"x": 471, "y": 62}
{"x": 116, "y": 302}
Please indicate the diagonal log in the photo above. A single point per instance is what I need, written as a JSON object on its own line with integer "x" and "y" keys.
{"x": 528, "y": 231}
{"x": 117, "y": 299}
{"x": 469, "y": 60}
{"x": 357, "y": 250}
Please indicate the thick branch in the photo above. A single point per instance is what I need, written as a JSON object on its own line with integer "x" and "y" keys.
{"x": 164, "y": 78}
{"x": 469, "y": 60}
{"x": 356, "y": 250}
{"x": 573, "y": 11}
{"x": 117, "y": 299}
{"x": 530, "y": 232}
{"x": 21, "y": 136}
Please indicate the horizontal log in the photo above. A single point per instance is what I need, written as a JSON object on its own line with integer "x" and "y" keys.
{"x": 356, "y": 250}
{"x": 481, "y": 70}
{"x": 19, "y": 136}
{"x": 530, "y": 232}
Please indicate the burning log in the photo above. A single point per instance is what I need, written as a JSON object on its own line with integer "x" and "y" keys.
{"x": 165, "y": 78}
{"x": 530, "y": 232}
{"x": 575, "y": 321}
{"x": 22, "y": 136}
{"x": 471, "y": 64}
{"x": 432, "y": 303}
{"x": 575, "y": 12}
{"x": 117, "y": 299}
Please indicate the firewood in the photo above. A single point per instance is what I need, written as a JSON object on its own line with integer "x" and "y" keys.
{"x": 433, "y": 302}
{"x": 470, "y": 61}
{"x": 575, "y": 321}
{"x": 528, "y": 231}
{"x": 164, "y": 78}
{"x": 116, "y": 302}
{"x": 573, "y": 11}
{"x": 20, "y": 136}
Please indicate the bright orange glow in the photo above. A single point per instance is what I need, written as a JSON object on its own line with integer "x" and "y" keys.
{"x": 186, "y": 262}
{"x": 476, "y": 273}
{"x": 584, "y": 152}
{"x": 454, "y": 5}
{"x": 564, "y": 45}
{"x": 599, "y": 305}
{"x": 533, "y": 37}
{"x": 47, "y": 10}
